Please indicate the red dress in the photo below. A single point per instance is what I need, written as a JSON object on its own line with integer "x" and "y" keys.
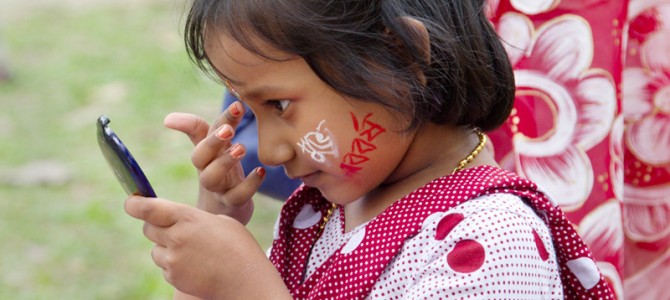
{"x": 378, "y": 260}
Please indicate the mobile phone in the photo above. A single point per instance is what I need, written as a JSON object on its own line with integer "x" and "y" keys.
{"x": 118, "y": 157}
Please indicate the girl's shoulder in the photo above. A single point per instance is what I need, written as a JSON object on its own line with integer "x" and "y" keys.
{"x": 472, "y": 248}
{"x": 488, "y": 209}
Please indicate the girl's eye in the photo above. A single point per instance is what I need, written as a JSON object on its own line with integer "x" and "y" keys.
{"x": 280, "y": 105}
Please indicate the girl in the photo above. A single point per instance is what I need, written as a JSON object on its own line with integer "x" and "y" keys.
{"x": 379, "y": 107}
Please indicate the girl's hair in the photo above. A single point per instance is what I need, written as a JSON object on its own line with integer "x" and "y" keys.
{"x": 367, "y": 49}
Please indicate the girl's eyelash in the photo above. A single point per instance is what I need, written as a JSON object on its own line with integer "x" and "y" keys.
{"x": 279, "y": 105}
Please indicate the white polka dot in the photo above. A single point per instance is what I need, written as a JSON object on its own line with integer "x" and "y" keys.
{"x": 307, "y": 217}
{"x": 354, "y": 242}
{"x": 586, "y": 271}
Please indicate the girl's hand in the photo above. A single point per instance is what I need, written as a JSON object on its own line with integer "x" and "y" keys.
{"x": 206, "y": 255}
{"x": 223, "y": 187}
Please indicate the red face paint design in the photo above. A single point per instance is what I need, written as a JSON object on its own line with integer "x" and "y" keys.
{"x": 367, "y": 131}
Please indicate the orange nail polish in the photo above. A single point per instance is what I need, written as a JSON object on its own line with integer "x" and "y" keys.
{"x": 260, "y": 171}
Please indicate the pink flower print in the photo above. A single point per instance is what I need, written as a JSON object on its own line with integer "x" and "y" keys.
{"x": 647, "y": 102}
{"x": 563, "y": 106}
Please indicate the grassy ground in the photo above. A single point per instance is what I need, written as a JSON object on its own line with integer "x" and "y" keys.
{"x": 63, "y": 232}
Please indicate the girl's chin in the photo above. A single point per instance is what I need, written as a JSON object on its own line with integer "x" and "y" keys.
{"x": 338, "y": 195}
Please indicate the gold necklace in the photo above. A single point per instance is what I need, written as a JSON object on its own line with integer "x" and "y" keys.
{"x": 326, "y": 218}
{"x": 468, "y": 159}
{"x": 461, "y": 165}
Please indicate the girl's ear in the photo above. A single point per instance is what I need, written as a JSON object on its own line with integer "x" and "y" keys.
{"x": 419, "y": 32}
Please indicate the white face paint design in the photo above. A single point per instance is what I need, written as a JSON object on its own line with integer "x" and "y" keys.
{"x": 319, "y": 143}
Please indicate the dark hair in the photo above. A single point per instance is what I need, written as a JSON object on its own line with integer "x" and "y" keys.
{"x": 468, "y": 78}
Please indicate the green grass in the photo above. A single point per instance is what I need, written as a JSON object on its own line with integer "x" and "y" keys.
{"x": 73, "y": 240}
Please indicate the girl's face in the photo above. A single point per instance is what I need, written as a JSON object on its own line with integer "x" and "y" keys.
{"x": 342, "y": 146}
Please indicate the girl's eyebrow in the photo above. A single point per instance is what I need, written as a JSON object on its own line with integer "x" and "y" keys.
{"x": 227, "y": 78}
{"x": 262, "y": 90}
{"x": 251, "y": 93}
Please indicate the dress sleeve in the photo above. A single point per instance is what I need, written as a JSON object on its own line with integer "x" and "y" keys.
{"x": 492, "y": 247}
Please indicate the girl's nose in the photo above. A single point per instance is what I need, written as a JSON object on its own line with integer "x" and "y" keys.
{"x": 273, "y": 148}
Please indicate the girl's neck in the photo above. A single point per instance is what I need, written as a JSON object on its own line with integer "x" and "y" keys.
{"x": 435, "y": 151}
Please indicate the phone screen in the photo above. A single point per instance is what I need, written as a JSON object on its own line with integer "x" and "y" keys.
{"x": 122, "y": 163}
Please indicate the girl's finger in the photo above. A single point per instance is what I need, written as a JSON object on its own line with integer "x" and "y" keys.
{"x": 212, "y": 146}
{"x": 158, "y": 255}
{"x": 155, "y": 234}
{"x": 231, "y": 116}
{"x": 239, "y": 195}
{"x": 194, "y": 127}
{"x": 197, "y": 128}
{"x": 156, "y": 211}
{"x": 210, "y": 176}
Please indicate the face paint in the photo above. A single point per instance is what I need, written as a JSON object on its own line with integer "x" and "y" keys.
{"x": 319, "y": 143}
{"x": 367, "y": 131}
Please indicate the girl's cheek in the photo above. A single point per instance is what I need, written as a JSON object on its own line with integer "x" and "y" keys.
{"x": 363, "y": 146}
{"x": 320, "y": 145}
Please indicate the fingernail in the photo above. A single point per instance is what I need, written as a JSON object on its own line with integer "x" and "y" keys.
{"x": 225, "y": 132}
{"x": 234, "y": 109}
{"x": 260, "y": 171}
{"x": 236, "y": 151}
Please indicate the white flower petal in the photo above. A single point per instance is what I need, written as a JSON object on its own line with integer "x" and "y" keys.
{"x": 647, "y": 213}
{"x": 655, "y": 51}
{"x": 515, "y": 31}
{"x": 563, "y": 49}
{"x": 532, "y": 7}
{"x": 649, "y": 139}
{"x": 663, "y": 10}
{"x": 602, "y": 231}
{"x": 611, "y": 274}
{"x": 636, "y": 95}
{"x": 651, "y": 196}
{"x": 565, "y": 119}
{"x": 596, "y": 101}
{"x": 616, "y": 153}
{"x": 568, "y": 177}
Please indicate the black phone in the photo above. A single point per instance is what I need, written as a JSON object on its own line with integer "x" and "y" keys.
{"x": 118, "y": 157}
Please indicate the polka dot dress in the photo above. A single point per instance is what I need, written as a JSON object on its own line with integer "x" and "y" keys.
{"x": 435, "y": 244}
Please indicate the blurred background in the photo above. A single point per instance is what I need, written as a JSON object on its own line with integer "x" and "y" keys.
{"x": 63, "y": 231}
